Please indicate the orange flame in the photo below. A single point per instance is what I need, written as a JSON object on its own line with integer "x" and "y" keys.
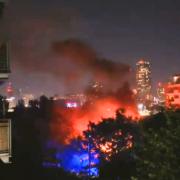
{"x": 70, "y": 123}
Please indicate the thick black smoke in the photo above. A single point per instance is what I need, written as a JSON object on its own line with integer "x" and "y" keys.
{"x": 41, "y": 50}
{"x": 86, "y": 60}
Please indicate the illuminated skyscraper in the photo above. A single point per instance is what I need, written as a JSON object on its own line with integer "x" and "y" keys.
{"x": 143, "y": 81}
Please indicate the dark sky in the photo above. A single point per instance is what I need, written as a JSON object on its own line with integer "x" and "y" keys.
{"x": 120, "y": 30}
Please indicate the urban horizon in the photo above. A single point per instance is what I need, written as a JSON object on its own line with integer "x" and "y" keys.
{"x": 89, "y": 90}
{"x": 143, "y": 36}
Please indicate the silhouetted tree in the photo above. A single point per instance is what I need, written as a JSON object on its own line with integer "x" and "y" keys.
{"x": 114, "y": 139}
{"x": 158, "y": 157}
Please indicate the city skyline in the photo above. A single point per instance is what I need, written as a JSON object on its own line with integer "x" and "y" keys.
{"x": 122, "y": 32}
{"x": 89, "y": 89}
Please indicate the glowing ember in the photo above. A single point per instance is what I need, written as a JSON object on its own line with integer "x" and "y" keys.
{"x": 106, "y": 148}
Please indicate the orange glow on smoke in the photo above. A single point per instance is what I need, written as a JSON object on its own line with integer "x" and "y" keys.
{"x": 70, "y": 123}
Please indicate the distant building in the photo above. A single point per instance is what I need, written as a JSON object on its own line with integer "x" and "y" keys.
{"x": 176, "y": 79}
{"x": 70, "y": 101}
{"x": 27, "y": 98}
{"x": 161, "y": 94}
{"x": 143, "y": 82}
{"x": 11, "y": 103}
{"x": 172, "y": 92}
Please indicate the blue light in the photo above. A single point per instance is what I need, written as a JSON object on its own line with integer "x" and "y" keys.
{"x": 75, "y": 159}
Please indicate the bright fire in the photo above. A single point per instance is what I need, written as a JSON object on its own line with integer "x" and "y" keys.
{"x": 70, "y": 123}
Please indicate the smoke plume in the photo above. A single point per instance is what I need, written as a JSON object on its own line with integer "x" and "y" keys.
{"x": 109, "y": 94}
{"x": 86, "y": 60}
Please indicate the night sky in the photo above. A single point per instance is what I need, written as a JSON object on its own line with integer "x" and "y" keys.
{"x": 120, "y": 30}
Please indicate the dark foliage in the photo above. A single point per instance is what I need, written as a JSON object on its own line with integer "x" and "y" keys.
{"x": 154, "y": 152}
{"x": 158, "y": 157}
{"x": 120, "y": 134}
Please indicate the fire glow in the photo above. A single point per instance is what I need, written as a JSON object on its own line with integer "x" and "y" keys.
{"x": 69, "y": 123}
{"x": 103, "y": 100}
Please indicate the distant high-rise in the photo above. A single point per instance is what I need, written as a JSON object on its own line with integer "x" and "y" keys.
{"x": 161, "y": 93}
{"x": 143, "y": 81}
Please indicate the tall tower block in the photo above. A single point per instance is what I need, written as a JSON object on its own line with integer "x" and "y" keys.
{"x": 143, "y": 82}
